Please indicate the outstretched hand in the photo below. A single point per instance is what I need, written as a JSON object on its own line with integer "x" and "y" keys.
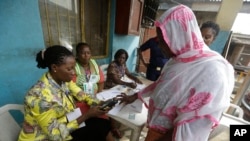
{"x": 126, "y": 99}
{"x": 132, "y": 85}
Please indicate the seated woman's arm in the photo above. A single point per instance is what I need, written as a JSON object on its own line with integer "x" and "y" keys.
{"x": 132, "y": 76}
{"x": 113, "y": 75}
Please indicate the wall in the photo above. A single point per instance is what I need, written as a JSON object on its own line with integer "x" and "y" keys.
{"x": 127, "y": 42}
{"x": 20, "y": 39}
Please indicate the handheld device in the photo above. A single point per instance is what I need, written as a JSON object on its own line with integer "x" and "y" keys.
{"x": 109, "y": 103}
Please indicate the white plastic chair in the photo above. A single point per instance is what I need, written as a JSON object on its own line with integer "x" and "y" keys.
{"x": 222, "y": 131}
{"x": 104, "y": 68}
{"x": 9, "y": 128}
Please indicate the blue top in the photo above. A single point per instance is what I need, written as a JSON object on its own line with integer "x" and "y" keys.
{"x": 157, "y": 59}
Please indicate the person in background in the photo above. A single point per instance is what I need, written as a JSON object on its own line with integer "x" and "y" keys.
{"x": 194, "y": 88}
{"x": 209, "y": 31}
{"x": 116, "y": 75}
{"x": 117, "y": 70}
{"x": 156, "y": 60}
{"x": 87, "y": 69}
{"x": 48, "y": 103}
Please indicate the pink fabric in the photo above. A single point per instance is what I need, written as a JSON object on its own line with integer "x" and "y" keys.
{"x": 182, "y": 21}
{"x": 194, "y": 87}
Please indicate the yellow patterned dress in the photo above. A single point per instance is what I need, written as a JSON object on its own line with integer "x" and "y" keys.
{"x": 46, "y": 105}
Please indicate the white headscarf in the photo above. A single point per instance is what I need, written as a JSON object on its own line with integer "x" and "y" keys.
{"x": 194, "y": 87}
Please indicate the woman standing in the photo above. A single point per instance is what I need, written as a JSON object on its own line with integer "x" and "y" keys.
{"x": 195, "y": 85}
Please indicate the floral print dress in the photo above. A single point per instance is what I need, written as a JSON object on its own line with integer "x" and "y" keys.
{"x": 46, "y": 105}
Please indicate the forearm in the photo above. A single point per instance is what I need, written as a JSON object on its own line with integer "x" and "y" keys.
{"x": 82, "y": 118}
{"x": 120, "y": 82}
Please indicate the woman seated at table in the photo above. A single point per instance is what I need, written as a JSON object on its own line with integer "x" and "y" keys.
{"x": 50, "y": 100}
{"x": 117, "y": 70}
{"x": 87, "y": 68}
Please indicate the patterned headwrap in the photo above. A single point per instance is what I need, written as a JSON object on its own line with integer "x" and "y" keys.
{"x": 195, "y": 85}
{"x": 181, "y": 21}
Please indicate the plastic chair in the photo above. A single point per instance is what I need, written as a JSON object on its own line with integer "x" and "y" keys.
{"x": 9, "y": 129}
{"x": 104, "y": 68}
{"x": 222, "y": 131}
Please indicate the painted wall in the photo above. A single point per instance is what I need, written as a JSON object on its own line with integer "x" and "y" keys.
{"x": 22, "y": 37}
{"x": 127, "y": 42}
{"x": 220, "y": 41}
{"x": 130, "y": 44}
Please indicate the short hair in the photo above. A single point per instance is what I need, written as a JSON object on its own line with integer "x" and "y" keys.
{"x": 80, "y": 45}
{"x": 52, "y": 55}
{"x": 213, "y": 25}
{"x": 120, "y": 52}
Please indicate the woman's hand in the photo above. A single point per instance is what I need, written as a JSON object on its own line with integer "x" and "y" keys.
{"x": 95, "y": 111}
{"x": 132, "y": 85}
{"x": 126, "y": 99}
{"x": 138, "y": 81}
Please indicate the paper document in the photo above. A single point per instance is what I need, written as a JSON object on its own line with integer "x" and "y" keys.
{"x": 135, "y": 106}
{"x": 116, "y": 109}
{"x": 107, "y": 94}
{"x": 74, "y": 115}
{"x": 93, "y": 78}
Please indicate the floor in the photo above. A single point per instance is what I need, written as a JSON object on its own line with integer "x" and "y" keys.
{"x": 127, "y": 132}
{"x": 220, "y": 134}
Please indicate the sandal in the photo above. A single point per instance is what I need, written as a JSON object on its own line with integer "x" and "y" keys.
{"x": 116, "y": 133}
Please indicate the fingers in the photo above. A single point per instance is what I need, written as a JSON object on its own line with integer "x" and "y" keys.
{"x": 121, "y": 96}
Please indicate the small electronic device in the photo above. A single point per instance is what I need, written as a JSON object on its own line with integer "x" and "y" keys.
{"x": 109, "y": 104}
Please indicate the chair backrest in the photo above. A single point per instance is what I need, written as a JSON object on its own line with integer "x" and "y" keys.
{"x": 104, "y": 68}
{"x": 9, "y": 128}
{"x": 229, "y": 119}
{"x": 222, "y": 131}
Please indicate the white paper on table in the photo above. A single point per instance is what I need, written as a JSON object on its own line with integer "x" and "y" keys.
{"x": 135, "y": 106}
{"x": 107, "y": 94}
{"x": 116, "y": 109}
{"x": 126, "y": 79}
{"x": 140, "y": 86}
{"x": 74, "y": 115}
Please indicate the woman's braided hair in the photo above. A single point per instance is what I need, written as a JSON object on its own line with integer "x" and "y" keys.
{"x": 52, "y": 55}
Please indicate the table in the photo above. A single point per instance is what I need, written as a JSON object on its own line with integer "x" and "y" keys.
{"x": 130, "y": 118}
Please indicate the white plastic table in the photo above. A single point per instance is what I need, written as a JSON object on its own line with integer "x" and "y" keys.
{"x": 132, "y": 119}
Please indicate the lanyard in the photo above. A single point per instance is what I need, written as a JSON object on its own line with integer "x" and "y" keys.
{"x": 86, "y": 72}
{"x": 65, "y": 90}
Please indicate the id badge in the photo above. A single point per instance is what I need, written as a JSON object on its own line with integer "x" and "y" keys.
{"x": 74, "y": 115}
{"x": 88, "y": 88}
